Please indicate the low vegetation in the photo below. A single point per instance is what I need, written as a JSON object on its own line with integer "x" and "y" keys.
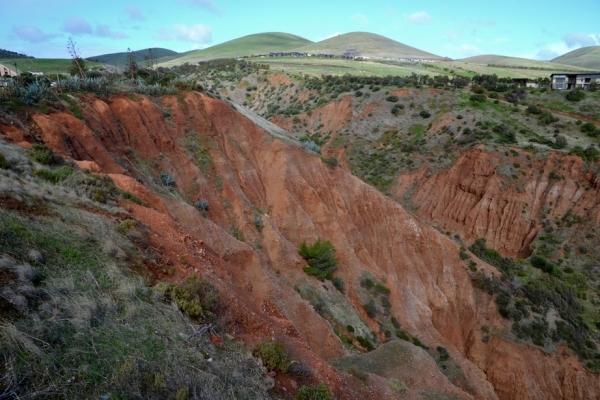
{"x": 320, "y": 257}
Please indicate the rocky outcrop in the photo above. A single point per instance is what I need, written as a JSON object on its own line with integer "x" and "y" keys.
{"x": 503, "y": 199}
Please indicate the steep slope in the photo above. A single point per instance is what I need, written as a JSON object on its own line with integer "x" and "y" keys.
{"x": 244, "y": 171}
{"x": 259, "y": 43}
{"x": 368, "y": 45}
{"x": 586, "y": 57}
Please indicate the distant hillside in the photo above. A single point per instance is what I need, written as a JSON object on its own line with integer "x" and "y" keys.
{"x": 367, "y": 44}
{"x": 259, "y": 43}
{"x": 120, "y": 59}
{"x": 516, "y": 62}
{"x": 11, "y": 54}
{"x": 586, "y": 57}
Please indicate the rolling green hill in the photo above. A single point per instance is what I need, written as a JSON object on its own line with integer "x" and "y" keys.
{"x": 120, "y": 59}
{"x": 368, "y": 45}
{"x": 586, "y": 57}
{"x": 516, "y": 62}
{"x": 12, "y": 54}
{"x": 260, "y": 43}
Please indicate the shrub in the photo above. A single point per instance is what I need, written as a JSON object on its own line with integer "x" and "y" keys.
{"x": 258, "y": 223}
{"x": 54, "y": 176}
{"x": 424, "y": 114}
{"x": 588, "y": 128}
{"x": 237, "y": 233}
{"x": 400, "y": 334}
{"x": 533, "y": 109}
{"x": 547, "y": 118}
{"x": 366, "y": 343}
{"x": 312, "y": 146}
{"x": 459, "y": 116}
{"x": 392, "y": 99}
{"x": 417, "y": 342}
{"x": 42, "y": 154}
{"x": 320, "y": 258}
{"x": 443, "y": 353}
{"x": 381, "y": 289}
{"x": 339, "y": 284}
{"x": 575, "y": 95}
{"x": 358, "y": 93}
{"x": 396, "y": 109}
{"x": 166, "y": 179}
{"x": 4, "y": 164}
{"x": 320, "y": 392}
{"x": 367, "y": 283}
{"x": 195, "y": 296}
{"x": 350, "y": 328}
{"x": 398, "y": 386}
{"x": 395, "y": 323}
{"x": 126, "y": 225}
{"x": 371, "y": 309}
{"x": 331, "y": 161}
{"x": 202, "y": 205}
{"x": 273, "y": 356}
{"x": 477, "y": 98}
{"x": 560, "y": 142}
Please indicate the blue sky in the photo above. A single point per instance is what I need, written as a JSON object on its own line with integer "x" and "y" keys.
{"x": 531, "y": 29}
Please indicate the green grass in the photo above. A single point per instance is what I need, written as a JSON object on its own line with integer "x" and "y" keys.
{"x": 262, "y": 43}
{"x": 368, "y": 45}
{"x": 586, "y": 57}
{"x": 517, "y": 62}
{"x": 48, "y": 66}
{"x": 121, "y": 59}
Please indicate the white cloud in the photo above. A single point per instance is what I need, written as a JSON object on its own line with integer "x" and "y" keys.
{"x": 135, "y": 13}
{"x": 451, "y": 35}
{"x": 361, "y": 19}
{"x": 198, "y": 34}
{"x": 208, "y": 5}
{"x": 418, "y": 18}
{"x": 77, "y": 26}
{"x": 580, "y": 39}
{"x": 31, "y": 34}
{"x": 464, "y": 50}
{"x": 570, "y": 42}
{"x": 105, "y": 31}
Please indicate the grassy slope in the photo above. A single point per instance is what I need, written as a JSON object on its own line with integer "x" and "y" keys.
{"x": 45, "y": 65}
{"x": 81, "y": 324}
{"x": 245, "y": 46}
{"x": 368, "y": 44}
{"x": 517, "y": 62}
{"x": 120, "y": 59}
{"x": 587, "y": 57}
{"x": 337, "y": 67}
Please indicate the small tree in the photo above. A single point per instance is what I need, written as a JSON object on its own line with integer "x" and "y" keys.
{"x": 131, "y": 63}
{"x": 320, "y": 258}
{"x": 77, "y": 63}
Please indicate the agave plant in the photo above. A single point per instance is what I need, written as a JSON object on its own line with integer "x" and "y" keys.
{"x": 34, "y": 93}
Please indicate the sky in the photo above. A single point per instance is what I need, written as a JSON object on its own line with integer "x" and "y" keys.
{"x": 457, "y": 29}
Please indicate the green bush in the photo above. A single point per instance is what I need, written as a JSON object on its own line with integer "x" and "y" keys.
{"x": 4, "y": 164}
{"x": 395, "y": 323}
{"x": 533, "y": 109}
{"x": 42, "y": 154}
{"x": 320, "y": 392}
{"x": 477, "y": 98}
{"x": 273, "y": 356}
{"x": 339, "y": 284}
{"x": 332, "y": 161}
{"x": 350, "y": 328}
{"x": 400, "y": 334}
{"x": 366, "y": 343}
{"x": 381, "y": 289}
{"x": 195, "y": 296}
{"x": 371, "y": 309}
{"x": 320, "y": 258}
{"x": 575, "y": 95}
{"x": 392, "y": 99}
{"x": 56, "y": 175}
{"x": 547, "y": 118}
{"x": 424, "y": 114}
